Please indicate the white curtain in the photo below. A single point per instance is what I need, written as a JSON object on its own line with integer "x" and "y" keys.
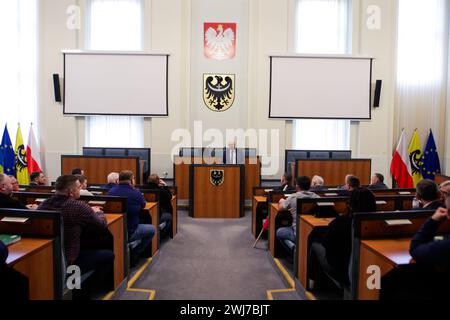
{"x": 115, "y": 25}
{"x": 18, "y": 66}
{"x": 422, "y": 65}
{"x": 322, "y": 27}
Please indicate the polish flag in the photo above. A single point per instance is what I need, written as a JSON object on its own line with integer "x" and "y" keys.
{"x": 401, "y": 166}
{"x": 33, "y": 154}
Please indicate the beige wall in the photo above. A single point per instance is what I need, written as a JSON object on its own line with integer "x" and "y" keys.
{"x": 264, "y": 27}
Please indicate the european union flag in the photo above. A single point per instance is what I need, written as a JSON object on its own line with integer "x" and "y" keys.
{"x": 9, "y": 157}
{"x": 430, "y": 158}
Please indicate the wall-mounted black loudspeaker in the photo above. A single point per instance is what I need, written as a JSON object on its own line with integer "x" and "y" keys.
{"x": 377, "y": 95}
{"x": 57, "y": 87}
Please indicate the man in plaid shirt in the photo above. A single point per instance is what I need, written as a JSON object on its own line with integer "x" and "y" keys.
{"x": 79, "y": 218}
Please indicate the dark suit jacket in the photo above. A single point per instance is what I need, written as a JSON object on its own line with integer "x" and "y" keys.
{"x": 377, "y": 186}
{"x": 165, "y": 197}
{"x": 434, "y": 205}
{"x": 9, "y": 203}
{"x": 427, "y": 251}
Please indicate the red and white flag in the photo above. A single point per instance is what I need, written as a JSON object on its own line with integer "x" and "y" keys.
{"x": 401, "y": 166}
{"x": 33, "y": 154}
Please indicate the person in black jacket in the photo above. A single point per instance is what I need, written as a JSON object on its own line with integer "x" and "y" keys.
{"x": 165, "y": 197}
{"x": 6, "y": 189}
{"x": 332, "y": 254}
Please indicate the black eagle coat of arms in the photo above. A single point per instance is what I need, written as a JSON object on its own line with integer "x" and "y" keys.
{"x": 218, "y": 91}
{"x": 217, "y": 177}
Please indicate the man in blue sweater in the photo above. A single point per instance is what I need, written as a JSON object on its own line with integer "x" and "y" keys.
{"x": 135, "y": 203}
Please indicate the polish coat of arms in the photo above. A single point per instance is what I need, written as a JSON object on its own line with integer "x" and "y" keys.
{"x": 219, "y": 41}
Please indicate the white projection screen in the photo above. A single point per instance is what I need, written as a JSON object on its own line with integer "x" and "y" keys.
{"x": 320, "y": 87}
{"x": 132, "y": 84}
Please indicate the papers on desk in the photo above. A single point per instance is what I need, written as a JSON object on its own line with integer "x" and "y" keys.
{"x": 381, "y": 202}
{"x": 401, "y": 222}
{"x": 97, "y": 203}
{"x": 268, "y": 190}
{"x": 325, "y": 204}
{"x": 40, "y": 200}
{"x": 14, "y": 219}
{"x": 333, "y": 189}
{"x": 97, "y": 192}
{"x": 53, "y": 191}
{"x": 22, "y": 189}
{"x": 404, "y": 192}
{"x": 330, "y": 194}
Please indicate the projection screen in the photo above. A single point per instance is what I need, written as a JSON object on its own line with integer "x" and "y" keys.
{"x": 320, "y": 87}
{"x": 115, "y": 84}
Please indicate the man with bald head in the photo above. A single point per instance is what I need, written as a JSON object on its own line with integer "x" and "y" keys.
{"x": 6, "y": 189}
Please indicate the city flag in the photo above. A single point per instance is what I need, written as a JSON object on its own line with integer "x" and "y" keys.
{"x": 430, "y": 160}
{"x": 21, "y": 160}
{"x": 400, "y": 165}
{"x": 9, "y": 159}
{"x": 415, "y": 157}
{"x": 33, "y": 154}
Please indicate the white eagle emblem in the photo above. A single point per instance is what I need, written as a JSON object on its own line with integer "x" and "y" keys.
{"x": 219, "y": 44}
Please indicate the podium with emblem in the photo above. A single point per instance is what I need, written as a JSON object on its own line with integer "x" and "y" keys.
{"x": 216, "y": 191}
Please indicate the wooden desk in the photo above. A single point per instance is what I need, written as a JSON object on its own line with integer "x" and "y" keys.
{"x": 174, "y": 216}
{"x": 34, "y": 259}
{"x": 273, "y": 209}
{"x": 307, "y": 224}
{"x": 152, "y": 209}
{"x": 256, "y": 201}
{"x": 116, "y": 227}
{"x": 385, "y": 253}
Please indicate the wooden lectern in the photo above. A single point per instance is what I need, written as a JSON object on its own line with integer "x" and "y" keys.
{"x": 216, "y": 191}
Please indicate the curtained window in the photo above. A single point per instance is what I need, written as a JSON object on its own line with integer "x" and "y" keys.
{"x": 422, "y": 64}
{"x": 322, "y": 27}
{"x": 115, "y": 25}
{"x": 18, "y": 66}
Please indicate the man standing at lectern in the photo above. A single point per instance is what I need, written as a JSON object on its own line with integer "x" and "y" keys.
{"x": 233, "y": 155}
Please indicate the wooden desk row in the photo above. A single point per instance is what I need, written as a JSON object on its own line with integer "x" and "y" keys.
{"x": 31, "y": 251}
{"x": 260, "y": 202}
{"x": 375, "y": 242}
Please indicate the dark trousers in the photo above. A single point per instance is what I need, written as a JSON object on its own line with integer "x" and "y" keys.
{"x": 13, "y": 285}
{"x": 166, "y": 221}
{"x": 102, "y": 263}
{"x": 414, "y": 281}
{"x": 318, "y": 266}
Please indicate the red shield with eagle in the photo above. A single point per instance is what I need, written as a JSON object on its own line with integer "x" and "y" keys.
{"x": 219, "y": 40}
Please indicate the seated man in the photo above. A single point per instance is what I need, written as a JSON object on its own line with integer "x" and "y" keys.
{"x": 78, "y": 171}
{"x": 135, "y": 203}
{"x": 83, "y": 181}
{"x": 14, "y": 285}
{"x": 444, "y": 188}
{"x": 428, "y": 195}
{"x": 377, "y": 182}
{"x": 113, "y": 180}
{"x": 37, "y": 178}
{"x": 317, "y": 184}
{"x": 331, "y": 254}
{"x": 351, "y": 183}
{"x": 165, "y": 197}
{"x": 286, "y": 183}
{"x": 15, "y": 184}
{"x": 79, "y": 219}
{"x": 433, "y": 256}
{"x": 6, "y": 189}
{"x": 286, "y": 235}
